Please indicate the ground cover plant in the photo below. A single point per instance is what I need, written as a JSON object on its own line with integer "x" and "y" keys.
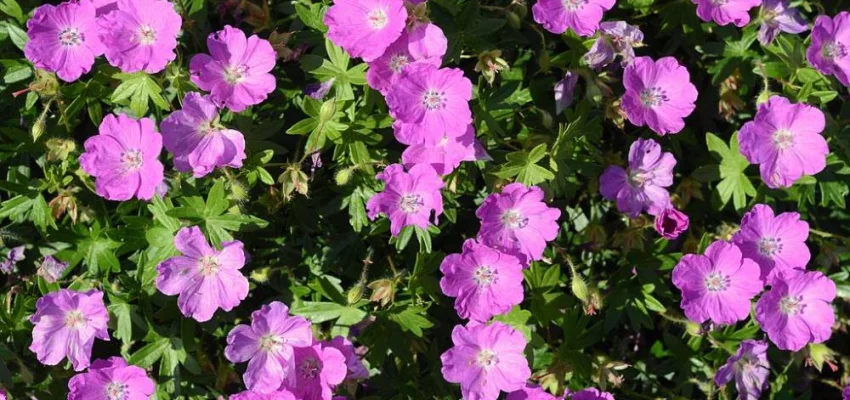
{"x": 442, "y": 199}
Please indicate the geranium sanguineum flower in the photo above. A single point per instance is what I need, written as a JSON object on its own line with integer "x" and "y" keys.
{"x": 318, "y": 369}
{"x": 671, "y": 222}
{"x": 717, "y": 286}
{"x": 430, "y": 103}
{"x": 484, "y": 281}
{"x": 124, "y": 158}
{"x": 643, "y": 187}
{"x": 785, "y": 140}
{"x": 268, "y": 345}
{"x": 530, "y": 392}
{"x": 408, "y": 197}
{"x": 276, "y": 395}
{"x": 591, "y": 394}
{"x": 565, "y": 91}
{"x": 424, "y": 45}
{"x": 486, "y": 360}
{"x": 797, "y": 310}
{"x": 140, "y": 35}
{"x": 63, "y": 39}
{"x": 778, "y": 16}
{"x": 582, "y": 16}
{"x": 845, "y": 395}
{"x": 66, "y": 324}
{"x": 659, "y": 94}
{"x": 237, "y": 70}
{"x": 518, "y": 222}
{"x": 365, "y": 28}
{"x": 724, "y": 12}
{"x": 111, "y": 379}
{"x": 199, "y": 142}
{"x": 774, "y": 242}
{"x": 447, "y": 154}
{"x": 356, "y": 369}
{"x": 13, "y": 256}
{"x": 748, "y": 367}
{"x": 830, "y": 48}
{"x": 205, "y": 279}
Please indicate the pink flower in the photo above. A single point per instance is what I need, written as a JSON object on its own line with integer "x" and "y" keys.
{"x": 277, "y": 395}
{"x": 447, "y": 154}
{"x": 717, "y": 286}
{"x": 356, "y": 369}
{"x": 518, "y": 222}
{"x": 775, "y": 243}
{"x": 141, "y": 35}
{"x": 429, "y": 104}
{"x": 486, "y": 360}
{"x": 725, "y": 12}
{"x": 199, "y": 142}
{"x": 124, "y": 158}
{"x": 268, "y": 345}
{"x": 66, "y": 324}
{"x": 365, "y": 28}
{"x": 102, "y": 7}
{"x": 425, "y": 45}
{"x": 749, "y": 368}
{"x": 408, "y": 197}
{"x": 112, "y": 379}
{"x": 318, "y": 369}
{"x": 591, "y": 394}
{"x": 582, "y": 16}
{"x": 206, "y": 279}
{"x": 643, "y": 187}
{"x": 797, "y": 309}
{"x": 484, "y": 281}
{"x": 785, "y": 140}
{"x": 670, "y": 223}
{"x": 530, "y": 392}
{"x": 565, "y": 91}
{"x": 237, "y": 71}
{"x": 63, "y": 39}
{"x": 659, "y": 94}
{"x": 778, "y": 16}
{"x": 830, "y": 48}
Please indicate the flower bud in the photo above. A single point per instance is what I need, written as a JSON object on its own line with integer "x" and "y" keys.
{"x": 59, "y": 149}
{"x": 383, "y": 291}
{"x": 355, "y": 293}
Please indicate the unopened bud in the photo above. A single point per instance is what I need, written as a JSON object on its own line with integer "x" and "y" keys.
{"x": 355, "y": 293}
{"x": 579, "y": 287}
{"x": 59, "y": 149}
{"x": 383, "y": 291}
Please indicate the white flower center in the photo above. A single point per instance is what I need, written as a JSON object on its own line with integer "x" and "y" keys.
{"x": 718, "y": 3}
{"x": 271, "y": 343}
{"x": 206, "y": 128}
{"x": 769, "y": 246}
{"x": 832, "y": 50}
{"x": 573, "y": 5}
{"x": 782, "y": 139}
{"x": 208, "y": 266}
{"x": 513, "y": 219}
{"x": 75, "y": 319}
{"x": 792, "y": 305}
{"x": 234, "y": 74}
{"x": 377, "y": 18}
{"x": 410, "y": 203}
{"x": 398, "y": 62}
{"x": 310, "y": 368}
{"x": 716, "y": 282}
{"x": 116, "y": 391}
{"x": 70, "y": 37}
{"x": 653, "y": 97}
{"x": 147, "y": 36}
{"x": 132, "y": 160}
{"x": 486, "y": 359}
{"x": 485, "y": 276}
{"x": 433, "y": 100}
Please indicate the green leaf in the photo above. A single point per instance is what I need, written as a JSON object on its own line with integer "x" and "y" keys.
{"x": 320, "y": 311}
{"x": 123, "y": 321}
{"x": 140, "y": 89}
{"x": 523, "y": 166}
{"x": 734, "y": 184}
{"x": 412, "y": 320}
{"x": 311, "y": 15}
{"x": 150, "y": 353}
{"x": 12, "y": 9}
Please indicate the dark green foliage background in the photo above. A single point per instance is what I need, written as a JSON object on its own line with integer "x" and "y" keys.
{"x": 309, "y": 238}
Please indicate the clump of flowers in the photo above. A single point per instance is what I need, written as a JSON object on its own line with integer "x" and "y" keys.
{"x": 748, "y": 367}
{"x": 140, "y": 35}
{"x": 64, "y": 39}
{"x": 408, "y": 197}
{"x": 66, "y": 324}
{"x": 830, "y": 48}
{"x": 659, "y": 94}
{"x": 797, "y": 310}
{"x": 582, "y": 16}
{"x": 643, "y": 187}
{"x": 365, "y": 28}
{"x": 785, "y": 140}
{"x": 726, "y": 12}
{"x": 112, "y": 379}
{"x": 423, "y": 45}
{"x": 776, "y": 242}
{"x": 318, "y": 369}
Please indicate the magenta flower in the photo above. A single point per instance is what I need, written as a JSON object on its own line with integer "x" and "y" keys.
{"x": 356, "y": 369}
{"x": 486, "y": 360}
{"x": 600, "y": 54}
{"x": 725, "y": 12}
{"x": 199, "y": 142}
{"x": 318, "y": 369}
{"x": 237, "y": 71}
{"x": 66, "y": 324}
{"x": 124, "y": 158}
{"x": 102, "y": 7}
{"x": 51, "y": 269}
{"x": 484, "y": 281}
{"x": 429, "y": 104}
{"x": 205, "y": 279}
{"x": 268, "y": 345}
{"x": 774, "y": 242}
{"x": 623, "y": 38}
{"x": 141, "y": 35}
{"x": 830, "y": 48}
{"x": 778, "y": 16}
{"x": 13, "y": 256}
{"x": 112, "y": 379}
{"x": 717, "y": 286}
{"x": 845, "y": 395}
{"x": 785, "y": 140}
{"x": 643, "y": 187}
{"x": 749, "y": 368}
{"x": 659, "y": 94}
{"x": 63, "y": 39}
{"x": 518, "y": 222}
{"x": 408, "y": 197}
{"x": 365, "y": 28}
{"x": 447, "y": 154}
{"x": 591, "y": 394}
{"x": 797, "y": 309}
{"x": 565, "y": 91}
{"x": 277, "y": 395}
{"x": 670, "y": 223}
{"x": 530, "y": 392}
{"x": 582, "y": 16}
{"x": 425, "y": 45}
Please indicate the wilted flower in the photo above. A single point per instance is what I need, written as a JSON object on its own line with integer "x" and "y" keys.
{"x": 748, "y": 367}
{"x": 565, "y": 91}
{"x": 64, "y": 39}
{"x": 600, "y": 54}
{"x": 490, "y": 63}
{"x": 623, "y": 37}
{"x": 659, "y": 94}
{"x": 830, "y": 48}
{"x": 15, "y": 254}
{"x": 774, "y": 242}
{"x": 140, "y": 35}
{"x": 51, "y": 269}
{"x": 670, "y": 223}
{"x": 318, "y": 91}
{"x": 58, "y": 149}
{"x": 365, "y": 28}
{"x": 725, "y": 12}
{"x": 582, "y": 16}
{"x": 112, "y": 379}
{"x": 408, "y": 197}
{"x": 778, "y": 16}
{"x": 797, "y": 310}
{"x": 643, "y": 187}
{"x": 66, "y": 324}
